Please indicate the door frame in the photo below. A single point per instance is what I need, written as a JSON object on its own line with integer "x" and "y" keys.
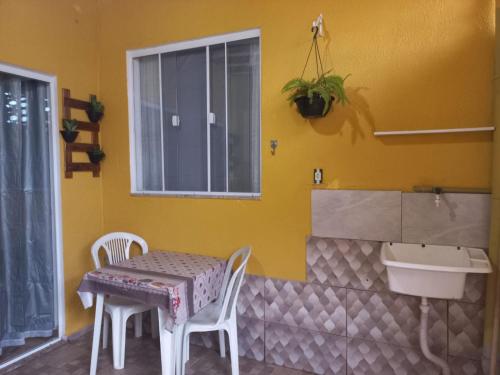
{"x": 54, "y": 148}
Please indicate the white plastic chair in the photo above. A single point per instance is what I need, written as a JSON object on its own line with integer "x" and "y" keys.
{"x": 119, "y": 309}
{"x": 219, "y": 315}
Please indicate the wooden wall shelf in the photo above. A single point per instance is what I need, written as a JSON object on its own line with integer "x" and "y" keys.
{"x": 94, "y": 128}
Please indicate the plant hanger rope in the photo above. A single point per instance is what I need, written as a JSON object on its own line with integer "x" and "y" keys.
{"x": 314, "y": 97}
{"x": 317, "y": 55}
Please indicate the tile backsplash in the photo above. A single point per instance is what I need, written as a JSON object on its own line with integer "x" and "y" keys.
{"x": 357, "y": 214}
{"x": 391, "y": 320}
{"x": 460, "y": 219}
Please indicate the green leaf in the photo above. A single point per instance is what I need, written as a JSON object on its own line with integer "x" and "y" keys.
{"x": 326, "y": 85}
{"x": 70, "y": 125}
{"x": 95, "y": 105}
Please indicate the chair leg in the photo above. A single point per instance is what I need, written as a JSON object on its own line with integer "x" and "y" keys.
{"x": 222, "y": 343}
{"x": 123, "y": 339}
{"x": 116, "y": 328}
{"x": 186, "y": 348}
{"x": 233, "y": 347}
{"x": 105, "y": 331}
{"x": 154, "y": 323}
{"x": 138, "y": 325}
{"x": 185, "y": 351}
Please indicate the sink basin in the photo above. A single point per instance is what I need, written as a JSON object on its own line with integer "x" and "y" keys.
{"x": 430, "y": 270}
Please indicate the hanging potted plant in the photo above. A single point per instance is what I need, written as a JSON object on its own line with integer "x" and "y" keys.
{"x": 69, "y": 133}
{"x": 95, "y": 110}
{"x": 314, "y": 97}
{"x": 96, "y": 155}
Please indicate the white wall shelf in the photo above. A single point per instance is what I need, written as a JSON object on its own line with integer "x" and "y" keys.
{"x": 434, "y": 131}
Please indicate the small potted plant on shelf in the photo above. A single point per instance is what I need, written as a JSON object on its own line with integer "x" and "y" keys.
{"x": 96, "y": 110}
{"x": 314, "y": 98}
{"x": 96, "y": 155}
{"x": 69, "y": 133}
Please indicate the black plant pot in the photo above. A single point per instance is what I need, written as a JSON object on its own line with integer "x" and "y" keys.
{"x": 312, "y": 108}
{"x": 69, "y": 136}
{"x": 94, "y": 116}
{"x": 95, "y": 158}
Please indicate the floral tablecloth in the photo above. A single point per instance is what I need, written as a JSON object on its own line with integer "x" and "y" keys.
{"x": 180, "y": 283}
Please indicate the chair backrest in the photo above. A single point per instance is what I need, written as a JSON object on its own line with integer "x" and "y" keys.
{"x": 231, "y": 283}
{"x": 117, "y": 246}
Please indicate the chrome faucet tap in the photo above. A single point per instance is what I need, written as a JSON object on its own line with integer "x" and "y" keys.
{"x": 437, "y": 191}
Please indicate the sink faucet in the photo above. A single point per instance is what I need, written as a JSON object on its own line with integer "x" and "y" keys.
{"x": 437, "y": 191}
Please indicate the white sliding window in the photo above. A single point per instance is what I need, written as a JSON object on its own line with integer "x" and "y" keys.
{"x": 195, "y": 117}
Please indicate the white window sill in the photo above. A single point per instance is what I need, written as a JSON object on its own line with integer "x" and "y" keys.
{"x": 197, "y": 194}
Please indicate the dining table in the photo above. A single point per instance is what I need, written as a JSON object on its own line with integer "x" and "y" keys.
{"x": 177, "y": 284}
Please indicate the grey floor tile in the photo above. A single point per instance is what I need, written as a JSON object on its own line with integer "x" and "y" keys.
{"x": 142, "y": 358}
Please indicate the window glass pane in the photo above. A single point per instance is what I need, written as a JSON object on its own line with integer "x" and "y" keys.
{"x": 184, "y": 79}
{"x": 243, "y": 80}
{"x": 191, "y": 140}
{"x": 218, "y": 108}
{"x": 171, "y": 132}
{"x": 147, "y": 124}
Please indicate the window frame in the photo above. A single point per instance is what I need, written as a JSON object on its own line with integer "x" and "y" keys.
{"x": 179, "y": 46}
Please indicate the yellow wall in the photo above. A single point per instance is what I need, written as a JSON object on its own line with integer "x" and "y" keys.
{"x": 61, "y": 39}
{"x": 414, "y": 64}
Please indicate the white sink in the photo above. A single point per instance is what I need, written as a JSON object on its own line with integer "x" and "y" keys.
{"x": 431, "y": 271}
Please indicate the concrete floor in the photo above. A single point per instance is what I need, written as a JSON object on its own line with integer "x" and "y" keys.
{"x": 142, "y": 358}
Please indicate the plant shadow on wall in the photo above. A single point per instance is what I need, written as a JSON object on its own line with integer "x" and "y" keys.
{"x": 355, "y": 114}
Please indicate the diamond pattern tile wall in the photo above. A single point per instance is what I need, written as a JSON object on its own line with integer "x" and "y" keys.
{"x": 306, "y": 305}
{"x": 250, "y": 338}
{"x": 251, "y": 299}
{"x": 394, "y": 319}
{"x": 303, "y": 349}
{"x": 464, "y": 366}
{"x": 366, "y": 357}
{"x": 475, "y": 288}
{"x": 299, "y": 325}
{"x": 465, "y": 329}
{"x": 347, "y": 263}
